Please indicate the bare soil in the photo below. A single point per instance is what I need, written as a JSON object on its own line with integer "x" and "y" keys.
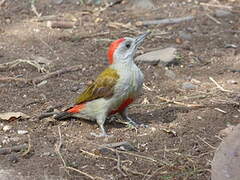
{"x": 180, "y": 141}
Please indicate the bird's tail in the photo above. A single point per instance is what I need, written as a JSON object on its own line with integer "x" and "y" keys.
{"x": 62, "y": 115}
{"x": 69, "y": 112}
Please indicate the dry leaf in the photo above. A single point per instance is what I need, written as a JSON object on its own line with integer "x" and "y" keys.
{"x": 10, "y": 116}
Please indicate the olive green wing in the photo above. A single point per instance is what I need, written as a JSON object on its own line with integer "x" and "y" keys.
{"x": 103, "y": 86}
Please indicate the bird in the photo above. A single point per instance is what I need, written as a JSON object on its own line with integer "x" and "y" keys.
{"x": 114, "y": 89}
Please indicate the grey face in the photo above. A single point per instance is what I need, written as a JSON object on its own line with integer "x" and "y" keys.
{"x": 127, "y": 48}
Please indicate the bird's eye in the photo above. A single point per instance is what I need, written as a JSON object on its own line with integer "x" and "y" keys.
{"x": 128, "y": 45}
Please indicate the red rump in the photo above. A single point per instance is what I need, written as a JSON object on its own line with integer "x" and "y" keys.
{"x": 122, "y": 106}
{"x": 113, "y": 46}
{"x": 76, "y": 108}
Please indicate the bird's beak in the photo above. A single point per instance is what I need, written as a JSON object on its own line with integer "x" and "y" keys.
{"x": 139, "y": 39}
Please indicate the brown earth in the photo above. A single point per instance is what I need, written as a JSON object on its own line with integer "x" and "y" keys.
{"x": 179, "y": 142}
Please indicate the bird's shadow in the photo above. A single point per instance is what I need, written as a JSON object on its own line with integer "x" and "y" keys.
{"x": 163, "y": 115}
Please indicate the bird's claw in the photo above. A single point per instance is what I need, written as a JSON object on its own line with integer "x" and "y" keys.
{"x": 101, "y": 135}
{"x": 135, "y": 124}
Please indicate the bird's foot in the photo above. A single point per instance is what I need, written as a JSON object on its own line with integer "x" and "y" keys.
{"x": 134, "y": 124}
{"x": 101, "y": 135}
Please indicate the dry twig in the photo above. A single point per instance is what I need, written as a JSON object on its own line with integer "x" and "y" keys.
{"x": 180, "y": 103}
{"x": 34, "y": 9}
{"x": 213, "y": 19}
{"x": 165, "y": 21}
{"x": 206, "y": 142}
{"x": 60, "y": 24}
{"x": 6, "y": 78}
{"x": 29, "y": 146}
{"x": 82, "y": 36}
{"x": 220, "y": 87}
{"x": 13, "y": 149}
{"x": 216, "y": 5}
{"x": 16, "y": 62}
{"x": 56, "y": 73}
{"x": 119, "y": 165}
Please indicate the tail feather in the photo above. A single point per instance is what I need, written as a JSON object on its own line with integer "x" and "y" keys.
{"x": 63, "y": 115}
{"x": 76, "y": 109}
{"x": 69, "y": 112}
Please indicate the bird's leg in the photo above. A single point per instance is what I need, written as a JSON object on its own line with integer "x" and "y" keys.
{"x": 125, "y": 116}
{"x": 101, "y": 121}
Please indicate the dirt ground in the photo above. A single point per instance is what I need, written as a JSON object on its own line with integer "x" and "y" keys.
{"x": 180, "y": 140}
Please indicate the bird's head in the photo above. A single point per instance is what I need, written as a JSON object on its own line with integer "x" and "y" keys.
{"x": 123, "y": 50}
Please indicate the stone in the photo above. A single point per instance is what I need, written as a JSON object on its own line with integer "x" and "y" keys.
{"x": 231, "y": 81}
{"x": 165, "y": 56}
{"x": 222, "y": 13}
{"x": 57, "y": 1}
{"x": 22, "y": 132}
{"x": 7, "y": 128}
{"x": 142, "y": 4}
{"x": 185, "y": 35}
{"x": 225, "y": 132}
{"x": 188, "y": 86}
{"x": 226, "y": 161}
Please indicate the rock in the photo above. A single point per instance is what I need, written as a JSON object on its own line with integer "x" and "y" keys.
{"x": 96, "y": 2}
{"x": 57, "y": 1}
{"x": 222, "y": 13}
{"x": 7, "y": 128}
{"x": 225, "y": 132}
{"x": 165, "y": 56}
{"x": 170, "y": 74}
{"x": 231, "y": 81}
{"x": 185, "y": 35}
{"x": 142, "y": 4}
{"x": 22, "y": 132}
{"x": 188, "y": 86}
{"x": 226, "y": 161}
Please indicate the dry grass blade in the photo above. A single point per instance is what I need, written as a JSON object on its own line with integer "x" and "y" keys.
{"x": 6, "y": 78}
{"x": 206, "y": 143}
{"x": 133, "y": 171}
{"x": 216, "y": 5}
{"x": 17, "y": 148}
{"x": 119, "y": 165}
{"x": 29, "y": 146}
{"x": 220, "y": 87}
{"x": 56, "y": 73}
{"x": 34, "y": 9}
{"x": 180, "y": 103}
{"x": 164, "y": 21}
{"x": 213, "y": 18}
{"x": 16, "y": 62}
{"x": 154, "y": 172}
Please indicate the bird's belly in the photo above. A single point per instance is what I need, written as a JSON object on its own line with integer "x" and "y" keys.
{"x": 122, "y": 106}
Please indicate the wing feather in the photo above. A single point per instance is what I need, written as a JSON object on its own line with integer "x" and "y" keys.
{"x": 103, "y": 86}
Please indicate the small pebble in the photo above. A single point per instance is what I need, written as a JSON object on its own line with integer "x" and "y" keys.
{"x": 22, "y": 132}
{"x": 231, "y": 81}
{"x": 188, "y": 85}
{"x": 153, "y": 129}
{"x": 185, "y": 35}
{"x": 7, "y": 128}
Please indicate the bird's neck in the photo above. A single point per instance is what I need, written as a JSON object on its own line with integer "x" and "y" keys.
{"x": 126, "y": 63}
